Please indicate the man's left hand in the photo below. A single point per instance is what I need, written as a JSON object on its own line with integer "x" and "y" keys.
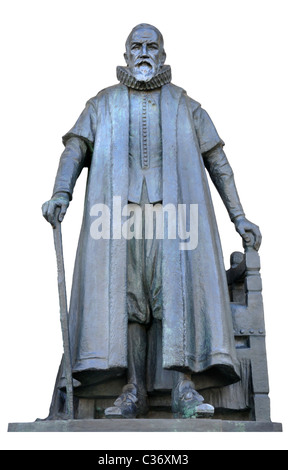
{"x": 245, "y": 228}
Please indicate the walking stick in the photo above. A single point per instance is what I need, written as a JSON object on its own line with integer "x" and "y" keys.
{"x": 57, "y": 234}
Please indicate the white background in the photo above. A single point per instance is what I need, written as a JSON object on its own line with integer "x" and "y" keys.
{"x": 229, "y": 55}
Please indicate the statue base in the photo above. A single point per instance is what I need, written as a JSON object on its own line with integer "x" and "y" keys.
{"x": 146, "y": 425}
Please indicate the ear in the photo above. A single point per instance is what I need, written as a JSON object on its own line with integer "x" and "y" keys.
{"x": 163, "y": 57}
{"x": 126, "y": 57}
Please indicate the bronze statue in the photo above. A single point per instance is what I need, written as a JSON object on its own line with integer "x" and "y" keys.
{"x": 146, "y": 307}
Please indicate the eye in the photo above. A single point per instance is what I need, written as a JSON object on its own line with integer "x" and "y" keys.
{"x": 153, "y": 46}
{"x": 135, "y": 46}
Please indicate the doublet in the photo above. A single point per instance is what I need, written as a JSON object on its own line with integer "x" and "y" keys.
{"x": 145, "y": 145}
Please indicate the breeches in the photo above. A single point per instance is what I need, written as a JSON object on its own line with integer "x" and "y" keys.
{"x": 144, "y": 282}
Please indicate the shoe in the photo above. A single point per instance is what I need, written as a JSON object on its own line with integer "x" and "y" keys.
{"x": 187, "y": 403}
{"x": 130, "y": 404}
{"x": 205, "y": 411}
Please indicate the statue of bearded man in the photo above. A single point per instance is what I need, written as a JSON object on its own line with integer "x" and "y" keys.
{"x": 149, "y": 308}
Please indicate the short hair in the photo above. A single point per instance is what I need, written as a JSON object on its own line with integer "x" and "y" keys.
{"x": 147, "y": 26}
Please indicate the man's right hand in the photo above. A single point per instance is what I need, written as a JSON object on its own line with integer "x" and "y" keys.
{"x": 49, "y": 208}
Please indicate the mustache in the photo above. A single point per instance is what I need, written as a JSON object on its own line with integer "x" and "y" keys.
{"x": 144, "y": 60}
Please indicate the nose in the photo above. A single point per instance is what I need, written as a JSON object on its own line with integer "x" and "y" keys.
{"x": 144, "y": 49}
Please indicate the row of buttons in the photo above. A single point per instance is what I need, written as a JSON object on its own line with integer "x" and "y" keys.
{"x": 145, "y": 160}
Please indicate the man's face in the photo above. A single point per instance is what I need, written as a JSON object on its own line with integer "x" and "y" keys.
{"x": 145, "y": 54}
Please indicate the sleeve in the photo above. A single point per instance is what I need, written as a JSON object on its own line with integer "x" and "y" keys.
{"x": 79, "y": 144}
{"x": 85, "y": 126}
{"x": 216, "y": 162}
{"x": 71, "y": 163}
{"x": 222, "y": 176}
{"x": 207, "y": 134}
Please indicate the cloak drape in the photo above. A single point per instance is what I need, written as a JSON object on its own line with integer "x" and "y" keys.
{"x": 197, "y": 330}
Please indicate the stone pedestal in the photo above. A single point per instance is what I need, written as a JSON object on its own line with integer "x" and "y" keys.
{"x": 146, "y": 425}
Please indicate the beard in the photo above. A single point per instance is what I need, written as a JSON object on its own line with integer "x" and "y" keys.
{"x": 144, "y": 70}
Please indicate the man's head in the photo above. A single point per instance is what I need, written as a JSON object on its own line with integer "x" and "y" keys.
{"x": 145, "y": 53}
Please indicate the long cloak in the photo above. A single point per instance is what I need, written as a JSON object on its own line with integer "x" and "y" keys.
{"x": 197, "y": 332}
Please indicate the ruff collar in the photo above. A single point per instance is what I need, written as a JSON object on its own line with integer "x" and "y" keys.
{"x": 126, "y": 78}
